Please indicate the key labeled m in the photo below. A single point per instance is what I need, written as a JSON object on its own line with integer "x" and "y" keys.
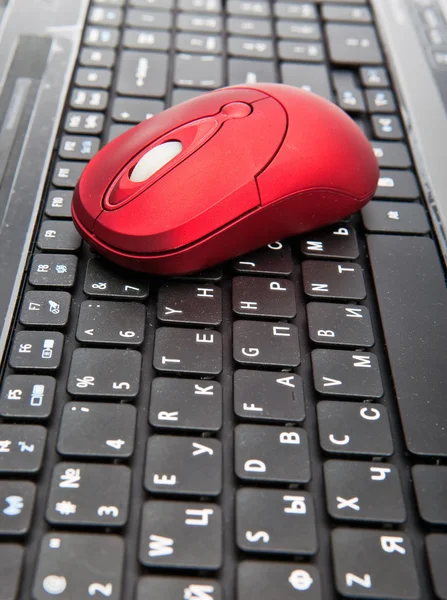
{"x": 361, "y": 361}
{"x": 160, "y": 546}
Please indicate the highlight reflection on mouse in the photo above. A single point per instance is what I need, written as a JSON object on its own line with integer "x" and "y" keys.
{"x": 221, "y": 175}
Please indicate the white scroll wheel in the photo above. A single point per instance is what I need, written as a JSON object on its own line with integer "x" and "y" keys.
{"x": 154, "y": 160}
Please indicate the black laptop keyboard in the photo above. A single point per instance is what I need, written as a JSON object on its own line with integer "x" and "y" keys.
{"x": 270, "y": 429}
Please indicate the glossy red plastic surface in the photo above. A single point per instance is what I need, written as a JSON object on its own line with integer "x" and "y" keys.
{"x": 294, "y": 163}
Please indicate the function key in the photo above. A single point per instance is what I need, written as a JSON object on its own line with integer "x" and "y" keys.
{"x": 194, "y": 466}
{"x": 374, "y": 77}
{"x": 111, "y": 323}
{"x": 66, "y": 174}
{"x": 186, "y": 404}
{"x": 344, "y": 373}
{"x": 45, "y": 309}
{"x": 184, "y": 535}
{"x": 101, "y": 37}
{"x": 247, "y": 26}
{"x": 397, "y": 184}
{"x": 266, "y": 580}
{"x": 11, "y": 559}
{"x": 58, "y": 204}
{"x": 300, "y": 30}
{"x": 269, "y": 396}
{"x": 193, "y": 70}
{"x": 333, "y": 280}
{"x": 354, "y": 428}
{"x": 74, "y": 147}
{"x": 348, "y": 14}
{"x": 353, "y": 44}
{"x": 104, "y": 373}
{"x": 195, "y": 304}
{"x": 394, "y": 155}
{"x": 362, "y": 491}
{"x": 340, "y": 324}
{"x": 196, "y": 42}
{"x": 27, "y": 396}
{"x": 387, "y": 127}
{"x": 142, "y": 39}
{"x": 58, "y": 236}
{"x": 89, "y": 99}
{"x": 84, "y": 123}
{"x": 105, "y": 16}
{"x": 382, "y": 101}
{"x": 313, "y": 78}
{"x": 266, "y": 344}
{"x": 188, "y": 351}
{"x": 284, "y": 522}
{"x": 274, "y": 259}
{"x": 68, "y": 564}
{"x": 89, "y": 495}
{"x": 97, "y": 57}
{"x": 97, "y": 430}
{"x": 271, "y": 454}
{"x": 436, "y": 551}
{"x": 93, "y": 78}
{"x": 135, "y": 110}
{"x": 17, "y": 500}
{"x": 292, "y": 10}
{"x": 173, "y": 588}
{"x": 339, "y": 242}
{"x": 36, "y": 350}
{"x": 211, "y": 6}
{"x": 21, "y": 448}
{"x": 53, "y": 270}
{"x": 395, "y": 217}
{"x": 205, "y": 23}
{"x": 371, "y": 563}
{"x": 251, "y": 8}
{"x": 430, "y": 484}
{"x": 133, "y": 70}
{"x": 263, "y": 297}
{"x": 154, "y": 19}
{"x": 101, "y": 280}
{"x": 250, "y": 71}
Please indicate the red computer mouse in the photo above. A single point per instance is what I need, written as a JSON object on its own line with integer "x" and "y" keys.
{"x": 220, "y": 175}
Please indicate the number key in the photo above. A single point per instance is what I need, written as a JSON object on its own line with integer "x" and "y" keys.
{"x": 111, "y": 323}
{"x": 102, "y": 281}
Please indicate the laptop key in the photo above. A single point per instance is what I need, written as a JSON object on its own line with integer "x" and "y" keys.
{"x": 346, "y": 14}
{"x": 173, "y": 588}
{"x": 430, "y": 485}
{"x": 374, "y": 564}
{"x": 346, "y": 373}
{"x": 17, "y": 498}
{"x": 135, "y": 110}
{"x": 45, "y": 309}
{"x": 353, "y": 44}
{"x": 381, "y": 101}
{"x": 202, "y": 23}
{"x": 393, "y": 155}
{"x": 162, "y": 4}
{"x": 298, "y": 30}
{"x": 264, "y": 297}
{"x": 397, "y": 185}
{"x": 250, "y": 71}
{"x": 101, "y": 281}
{"x": 101, "y": 37}
{"x": 395, "y": 217}
{"x": 104, "y": 373}
{"x": 276, "y": 521}
{"x": 354, "y": 428}
{"x": 186, "y": 535}
{"x": 198, "y": 71}
{"x": 272, "y": 454}
{"x": 58, "y": 205}
{"x": 11, "y": 559}
{"x": 313, "y": 78}
{"x": 374, "y": 77}
{"x": 274, "y": 259}
{"x": 337, "y": 281}
{"x": 301, "y": 10}
{"x": 36, "y": 350}
{"x": 387, "y": 127}
{"x": 349, "y": 96}
{"x": 53, "y": 270}
{"x": 78, "y": 148}
{"x": 89, "y": 495}
{"x": 185, "y": 404}
{"x": 142, "y": 74}
{"x": 58, "y": 236}
{"x": 97, "y": 57}
{"x": 269, "y": 396}
{"x": 250, "y": 47}
{"x": 66, "y": 174}
{"x": 340, "y": 324}
{"x": 249, "y": 26}
{"x": 436, "y": 544}
{"x": 97, "y": 430}
{"x": 153, "y": 19}
{"x": 266, "y": 580}
{"x": 266, "y": 344}
{"x": 335, "y": 242}
{"x": 197, "y": 42}
{"x": 27, "y": 396}
{"x": 251, "y": 8}
{"x": 105, "y": 16}
{"x": 71, "y": 564}
{"x": 183, "y": 465}
{"x": 143, "y": 39}
{"x": 195, "y": 304}
{"x": 93, "y": 78}
{"x": 21, "y": 448}
{"x": 83, "y": 123}
{"x": 211, "y": 6}
{"x": 308, "y": 52}
{"x": 194, "y": 351}
{"x": 111, "y": 323}
{"x": 359, "y": 491}
{"x": 84, "y": 99}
